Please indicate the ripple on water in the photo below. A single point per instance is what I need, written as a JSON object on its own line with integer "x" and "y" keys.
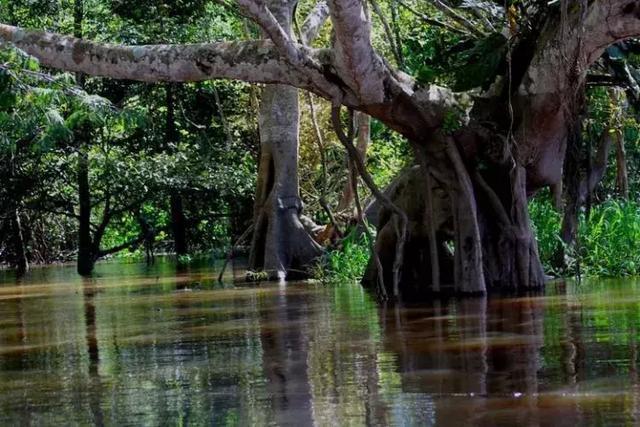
{"x": 138, "y": 346}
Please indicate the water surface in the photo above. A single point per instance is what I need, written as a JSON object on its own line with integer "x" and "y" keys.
{"x": 138, "y": 346}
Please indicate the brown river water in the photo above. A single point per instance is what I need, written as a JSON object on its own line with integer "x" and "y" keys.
{"x": 138, "y": 346}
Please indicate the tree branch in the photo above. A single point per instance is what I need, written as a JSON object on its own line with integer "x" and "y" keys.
{"x": 116, "y": 249}
{"x": 458, "y": 18}
{"x": 250, "y": 61}
{"x": 356, "y": 60}
{"x": 314, "y": 22}
{"x": 431, "y": 21}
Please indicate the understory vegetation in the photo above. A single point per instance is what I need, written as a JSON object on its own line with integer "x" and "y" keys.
{"x": 608, "y": 244}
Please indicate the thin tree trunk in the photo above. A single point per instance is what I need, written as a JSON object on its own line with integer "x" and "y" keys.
{"x": 86, "y": 255}
{"x": 363, "y": 123}
{"x": 622, "y": 176}
{"x": 20, "y": 247}
{"x": 178, "y": 219}
{"x": 178, "y": 225}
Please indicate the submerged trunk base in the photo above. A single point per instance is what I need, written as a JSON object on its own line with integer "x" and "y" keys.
{"x": 483, "y": 238}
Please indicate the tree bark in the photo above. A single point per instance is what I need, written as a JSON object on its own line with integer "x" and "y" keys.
{"x": 280, "y": 244}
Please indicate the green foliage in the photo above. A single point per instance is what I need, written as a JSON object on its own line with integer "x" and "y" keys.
{"x": 452, "y": 121}
{"x": 610, "y": 240}
{"x": 608, "y": 243}
{"x": 479, "y": 64}
{"x": 142, "y": 10}
{"x": 45, "y": 120}
{"x": 388, "y": 154}
{"x": 345, "y": 264}
{"x": 546, "y": 221}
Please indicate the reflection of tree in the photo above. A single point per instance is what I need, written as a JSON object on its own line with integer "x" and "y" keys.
{"x": 470, "y": 347}
{"x": 350, "y": 377}
{"x": 95, "y": 386}
{"x": 285, "y": 352}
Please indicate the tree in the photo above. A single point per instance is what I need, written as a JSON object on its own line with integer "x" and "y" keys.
{"x": 484, "y": 160}
{"x": 280, "y": 243}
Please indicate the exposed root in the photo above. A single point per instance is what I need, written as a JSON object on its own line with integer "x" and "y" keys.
{"x": 356, "y": 158}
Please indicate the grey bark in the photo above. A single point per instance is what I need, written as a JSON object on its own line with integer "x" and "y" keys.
{"x": 280, "y": 245}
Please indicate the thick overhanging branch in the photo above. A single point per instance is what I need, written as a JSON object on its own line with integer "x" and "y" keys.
{"x": 250, "y": 61}
{"x": 260, "y": 13}
{"x": 550, "y": 92}
{"x": 357, "y": 61}
{"x": 567, "y": 55}
{"x": 293, "y": 53}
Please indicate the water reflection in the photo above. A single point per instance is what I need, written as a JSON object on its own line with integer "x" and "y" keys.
{"x": 94, "y": 383}
{"x": 156, "y": 346}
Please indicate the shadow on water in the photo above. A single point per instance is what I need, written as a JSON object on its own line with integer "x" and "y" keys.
{"x": 151, "y": 346}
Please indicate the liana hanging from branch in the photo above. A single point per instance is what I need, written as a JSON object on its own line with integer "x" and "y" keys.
{"x": 400, "y": 216}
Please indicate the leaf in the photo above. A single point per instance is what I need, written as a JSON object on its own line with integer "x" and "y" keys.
{"x": 480, "y": 64}
{"x": 425, "y": 75}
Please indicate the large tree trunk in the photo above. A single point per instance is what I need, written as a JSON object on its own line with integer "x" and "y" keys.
{"x": 481, "y": 224}
{"x": 280, "y": 245}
